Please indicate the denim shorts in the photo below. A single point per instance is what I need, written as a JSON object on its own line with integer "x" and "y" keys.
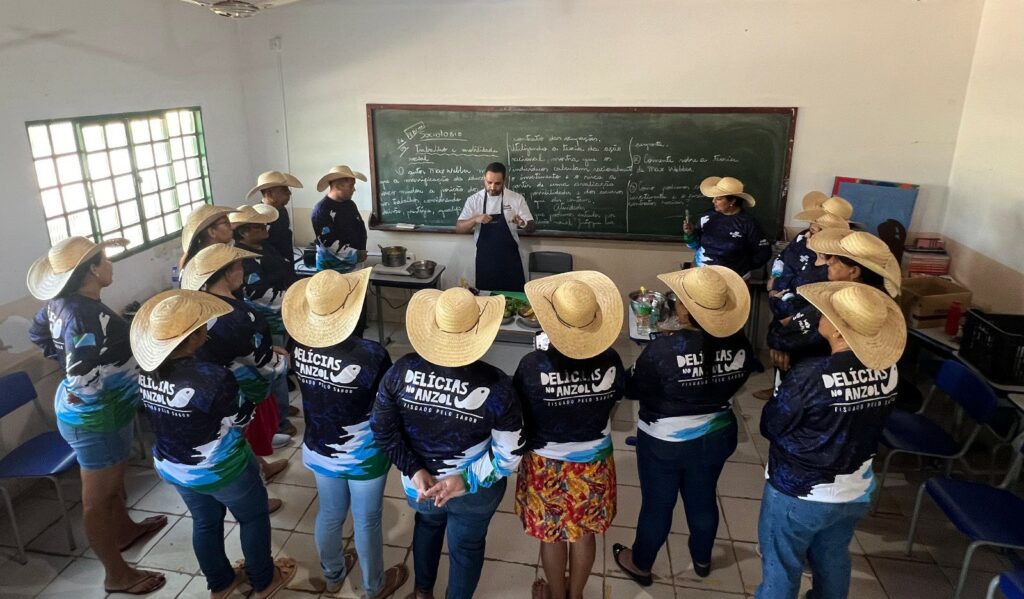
{"x": 96, "y": 450}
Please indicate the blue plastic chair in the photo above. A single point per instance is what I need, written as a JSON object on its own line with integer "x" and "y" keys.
{"x": 916, "y": 434}
{"x": 985, "y": 514}
{"x": 1010, "y": 583}
{"x": 43, "y": 456}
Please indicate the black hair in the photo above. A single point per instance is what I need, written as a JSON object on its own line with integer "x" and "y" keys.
{"x": 867, "y": 276}
{"x": 240, "y": 230}
{"x": 217, "y": 276}
{"x": 78, "y": 277}
{"x": 737, "y": 201}
{"x": 709, "y": 347}
{"x": 496, "y": 167}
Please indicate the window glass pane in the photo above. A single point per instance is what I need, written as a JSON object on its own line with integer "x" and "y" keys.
{"x": 191, "y": 147}
{"x": 140, "y": 131}
{"x": 103, "y": 192}
{"x": 173, "y": 123}
{"x": 151, "y": 205}
{"x": 98, "y": 165}
{"x": 147, "y": 180}
{"x": 120, "y": 162}
{"x": 52, "y": 205}
{"x": 156, "y": 127}
{"x": 113, "y": 250}
{"x": 46, "y": 174}
{"x": 93, "y": 137}
{"x": 58, "y": 229}
{"x": 168, "y": 203}
{"x": 125, "y": 186}
{"x": 180, "y": 172}
{"x": 129, "y": 212}
{"x": 186, "y": 209}
{"x": 134, "y": 236}
{"x": 162, "y": 152}
{"x": 155, "y": 228}
{"x": 63, "y": 135}
{"x": 187, "y": 122}
{"x": 69, "y": 168}
{"x": 80, "y": 224}
{"x": 196, "y": 185}
{"x": 143, "y": 156}
{"x": 74, "y": 198}
{"x": 183, "y": 193}
{"x": 164, "y": 175}
{"x": 39, "y": 139}
{"x": 192, "y": 165}
{"x": 108, "y": 219}
{"x": 177, "y": 148}
{"x": 171, "y": 222}
{"x": 116, "y": 136}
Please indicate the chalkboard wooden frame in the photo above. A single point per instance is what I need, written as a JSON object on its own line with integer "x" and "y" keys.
{"x": 777, "y": 231}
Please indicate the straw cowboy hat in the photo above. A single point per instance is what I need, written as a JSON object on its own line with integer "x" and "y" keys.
{"x": 259, "y": 214}
{"x": 835, "y": 206}
{"x": 274, "y": 179}
{"x": 48, "y": 275}
{"x": 166, "y": 319}
{"x": 199, "y": 219}
{"x": 813, "y": 199}
{"x": 865, "y": 249}
{"x": 338, "y": 172}
{"x": 581, "y": 311}
{"x": 827, "y": 220}
{"x": 453, "y": 327}
{"x": 714, "y": 187}
{"x": 324, "y": 309}
{"x": 870, "y": 322}
{"x": 208, "y": 261}
{"x": 716, "y": 296}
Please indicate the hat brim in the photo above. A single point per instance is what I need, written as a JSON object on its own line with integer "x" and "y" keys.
{"x": 193, "y": 280}
{"x": 315, "y": 330}
{"x": 45, "y": 284}
{"x": 823, "y": 219}
{"x": 828, "y": 241}
{"x": 324, "y": 181}
{"x": 150, "y": 353}
{"x": 721, "y": 322}
{"x": 813, "y": 199}
{"x": 188, "y": 233}
{"x": 249, "y": 219}
{"x": 578, "y": 343}
{"x": 451, "y": 349}
{"x": 709, "y": 187}
{"x": 878, "y": 352}
{"x": 289, "y": 181}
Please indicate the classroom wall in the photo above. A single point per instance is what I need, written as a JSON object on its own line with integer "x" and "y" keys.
{"x": 880, "y": 86}
{"x": 66, "y": 58}
{"x": 985, "y": 213}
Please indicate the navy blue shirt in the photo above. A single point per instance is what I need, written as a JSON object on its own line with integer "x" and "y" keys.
{"x": 197, "y": 413}
{"x": 338, "y": 223}
{"x": 281, "y": 236}
{"x": 794, "y": 267}
{"x": 567, "y": 403}
{"x": 824, "y": 424}
{"x": 799, "y": 337}
{"x": 679, "y": 399}
{"x": 464, "y": 420}
{"x": 734, "y": 241}
{"x": 339, "y": 385}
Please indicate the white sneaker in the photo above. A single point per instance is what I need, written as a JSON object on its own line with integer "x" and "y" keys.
{"x": 281, "y": 440}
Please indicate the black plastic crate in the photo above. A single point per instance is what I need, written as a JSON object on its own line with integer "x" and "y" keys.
{"x": 994, "y": 344}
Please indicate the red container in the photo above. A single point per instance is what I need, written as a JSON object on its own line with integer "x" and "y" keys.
{"x": 953, "y": 319}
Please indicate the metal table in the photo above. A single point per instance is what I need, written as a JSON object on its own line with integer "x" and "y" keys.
{"x": 399, "y": 282}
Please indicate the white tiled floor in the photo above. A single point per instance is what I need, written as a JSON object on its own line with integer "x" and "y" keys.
{"x": 881, "y": 570}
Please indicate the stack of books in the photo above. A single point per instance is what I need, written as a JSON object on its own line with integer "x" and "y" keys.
{"x": 927, "y": 257}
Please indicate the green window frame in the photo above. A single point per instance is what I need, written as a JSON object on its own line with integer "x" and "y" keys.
{"x": 135, "y": 175}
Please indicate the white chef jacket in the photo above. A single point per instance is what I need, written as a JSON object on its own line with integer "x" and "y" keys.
{"x": 513, "y": 204}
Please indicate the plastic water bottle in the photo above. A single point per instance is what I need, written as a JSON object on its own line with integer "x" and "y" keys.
{"x": 175, "y": 282}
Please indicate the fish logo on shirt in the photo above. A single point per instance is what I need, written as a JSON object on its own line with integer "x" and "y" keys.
{"x": 737, "y": 361}
{"x": 56, "y": 326}
{"x": 181, "y": 398}
{"x": 606, "y": 381}
{"x": 474, "y": 400}
{"x": 347, "y": 374}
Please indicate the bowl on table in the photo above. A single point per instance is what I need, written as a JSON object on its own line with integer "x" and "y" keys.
{"x": 527, "y": 318}
{"x": 422, "y": 269}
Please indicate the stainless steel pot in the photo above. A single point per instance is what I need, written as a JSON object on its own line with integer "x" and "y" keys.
{"x": 392, "y": 255}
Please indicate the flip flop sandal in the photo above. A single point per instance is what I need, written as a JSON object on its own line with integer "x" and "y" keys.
{"x": 143, "y": 586}
{"x": 273, "y": 504}
{"x": 240, "y": 578}
{"x": 644, "y": 580}
{"x": 397, "y": 575}
{"x": 287, "y": 566}
{"x": 149, "y": 526}
{"x": 350, "y": 562}
{"x": 273, "y": 469}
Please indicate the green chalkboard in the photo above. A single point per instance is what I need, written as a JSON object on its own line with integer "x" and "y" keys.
{"x": 617, "y": 173}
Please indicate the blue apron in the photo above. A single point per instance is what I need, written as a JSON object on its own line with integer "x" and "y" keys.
{"x": 498, "y": 266}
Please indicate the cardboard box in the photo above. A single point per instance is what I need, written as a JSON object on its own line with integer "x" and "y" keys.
{"x": 925, "y": 301}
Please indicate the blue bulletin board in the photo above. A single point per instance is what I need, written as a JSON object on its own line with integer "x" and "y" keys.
{"x": 875, "y": 202}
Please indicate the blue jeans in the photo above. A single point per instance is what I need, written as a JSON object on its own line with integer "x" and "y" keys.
{"x": 689, "y": 469}
{"x": 95, "y": 450}
{"x": 790, "y": 529}
{"x": 279, "y": 387}
{"x": 246, "y": 497}
{"x": 366, "y": 497}
{"x": 466, "y": 519}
